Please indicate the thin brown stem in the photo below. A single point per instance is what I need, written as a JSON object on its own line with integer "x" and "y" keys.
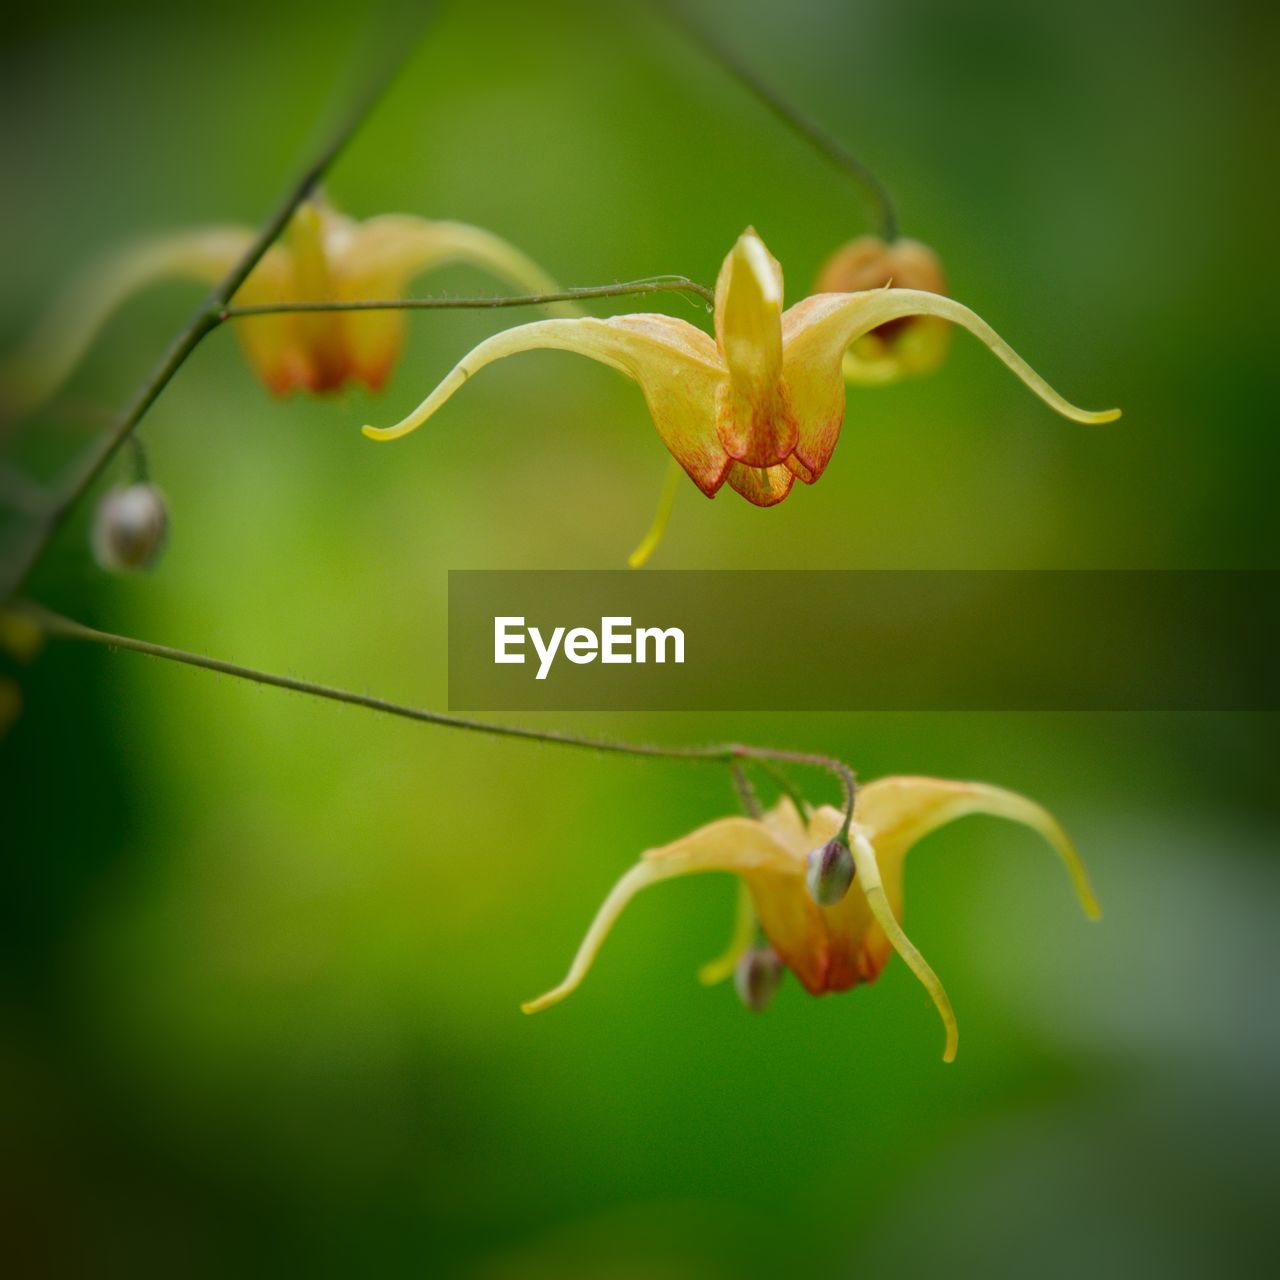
{"x": 730, "y": 753}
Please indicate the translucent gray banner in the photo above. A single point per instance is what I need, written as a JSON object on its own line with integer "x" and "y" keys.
{"x": 863, "y": 640}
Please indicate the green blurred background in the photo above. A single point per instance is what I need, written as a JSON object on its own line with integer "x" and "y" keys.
{"x": 263, "y": 956}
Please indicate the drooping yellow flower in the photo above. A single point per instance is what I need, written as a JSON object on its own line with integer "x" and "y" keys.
{"x": 829, "y": 948}
{"x": 323, "y": 256}
{"x": 898, "y": 348}
{"x": 760, "y": 404}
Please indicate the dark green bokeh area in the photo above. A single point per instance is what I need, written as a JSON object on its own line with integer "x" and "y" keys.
{"x": 263, "y": 956}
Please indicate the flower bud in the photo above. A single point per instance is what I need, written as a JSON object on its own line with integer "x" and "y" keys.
{"x": 130, "y": 527}
{"x": 756, "y": 978}
{"x": 829, "y": 873}
{"x": 909, "y": 345}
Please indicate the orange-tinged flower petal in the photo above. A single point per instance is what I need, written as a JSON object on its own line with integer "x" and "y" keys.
{"x": 280, "y": 347}
{"x": 818, "y": 330}
{"x": 762, "y": 486}
{"x": 313, "y": 237}
{"x": 752, "y": 414}
{"x": 677, "y": 366}
{"x": 799, "y": 470}
{"x": 822, "y": 946}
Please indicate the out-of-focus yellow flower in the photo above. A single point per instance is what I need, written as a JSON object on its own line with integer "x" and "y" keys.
{"x": 760, "y": 404}
{"x": 22, "y": 640}
{"x": 323, "y": 256}
{"x": 897, "y": 348}
{"x": 829, "y": 948}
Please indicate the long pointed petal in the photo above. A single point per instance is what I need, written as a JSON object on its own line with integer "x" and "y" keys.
{"x": 818, "y": 330}
{"x": 896, "y": 813}
{"x": 676, "y": 365}
{"x": 384, "y": 254}
{"x": 740, "y": 942}
{"x": 869, "y": 883}
{"x": 43, "y": 363}
{"x": 731, "y": 844}
{"x": 388, "y": 251}
{"x": 639, "y": 877}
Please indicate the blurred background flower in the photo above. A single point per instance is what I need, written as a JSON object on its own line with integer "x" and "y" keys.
{"x": 261, "y": 970}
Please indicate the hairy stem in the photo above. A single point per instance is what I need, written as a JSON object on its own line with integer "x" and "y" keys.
{"x": 784, "y": 785}
{"x": 746, "y": 792}
{"x": 730, "y": 753}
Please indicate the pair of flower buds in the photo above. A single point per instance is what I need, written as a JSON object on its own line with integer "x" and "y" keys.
{"x": 757, "y": 406}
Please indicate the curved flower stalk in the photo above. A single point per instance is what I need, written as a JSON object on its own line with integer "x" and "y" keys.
{"x": 323, "y": 256}
{"x": 763, "y": 402}
{"x": 837, "y": 947}
{"x": 904, "y": 347}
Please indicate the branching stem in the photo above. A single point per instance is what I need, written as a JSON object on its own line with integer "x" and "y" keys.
{"x": 217, "y": 311}
{"x": 203, "y": 321}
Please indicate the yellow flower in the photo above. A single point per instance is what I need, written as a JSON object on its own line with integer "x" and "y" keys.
{"x": 897, "y": 348}
{"x": 829, "y": 948}
{"x": 760, "y": 404}
{"x": 323, "y": 256}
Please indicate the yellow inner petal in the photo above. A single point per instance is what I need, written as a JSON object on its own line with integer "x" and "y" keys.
{"x": 740, "y": 942}
{"x": 748, "y": 313}
{"x": 661, "y": 517}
